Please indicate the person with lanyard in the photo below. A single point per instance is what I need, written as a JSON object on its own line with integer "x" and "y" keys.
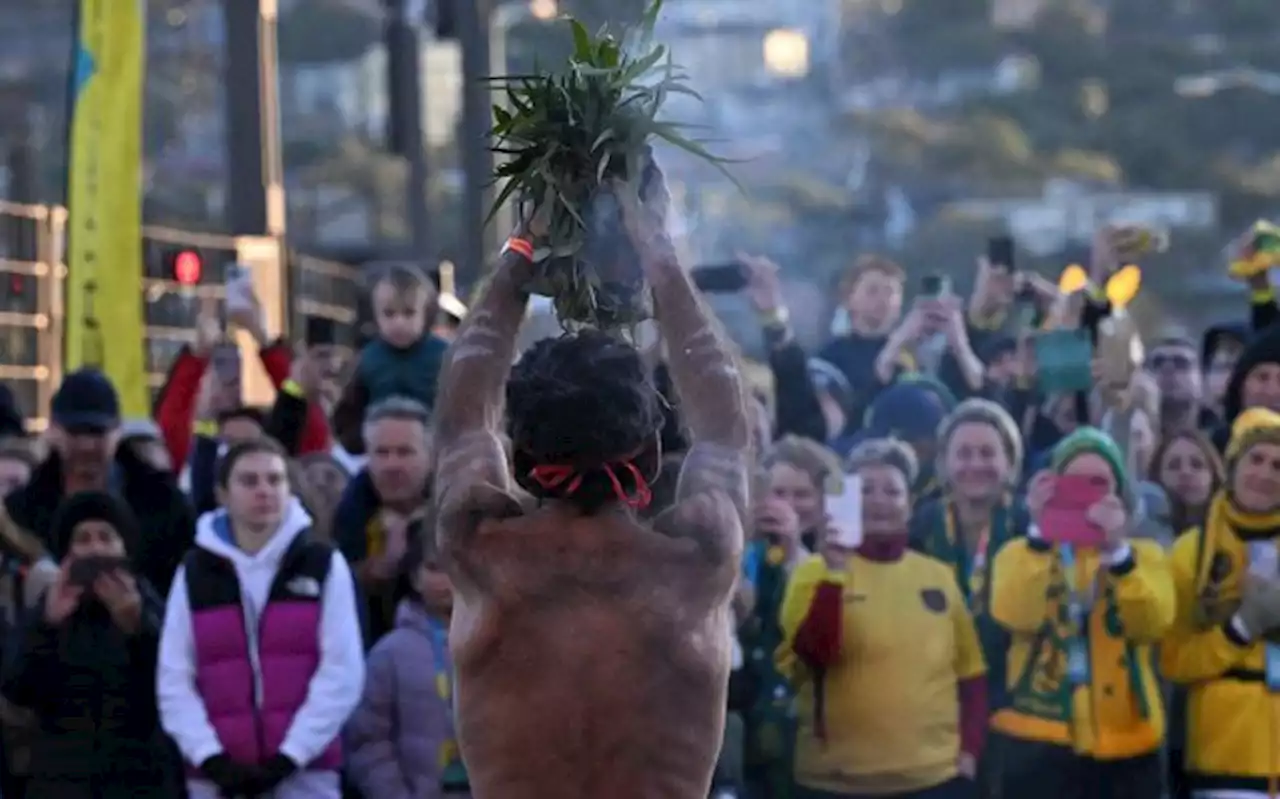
{"x": 1225, "y": 644}
{"x": 401, "y": 736}
{"x": 979, "y": 461}
{"x": 1084, "y": 717}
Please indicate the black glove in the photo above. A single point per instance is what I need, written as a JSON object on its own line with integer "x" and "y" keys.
{"x": 269, "y": 776}
{"x": 233, "y": 779}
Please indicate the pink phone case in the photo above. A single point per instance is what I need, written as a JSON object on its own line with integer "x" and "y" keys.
{"x": 1063, "y": 519}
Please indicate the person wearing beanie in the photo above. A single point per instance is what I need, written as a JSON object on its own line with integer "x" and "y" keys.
{"x": 1226, "y": 638}
{"x": 883, "y": 655}
{"x": 979, "y": 462}
{"x": 910, "y": 410}
{"x": 1084, "y": 717}
{"x": 1254, "y": 382}
{"x": 86, "y": 664}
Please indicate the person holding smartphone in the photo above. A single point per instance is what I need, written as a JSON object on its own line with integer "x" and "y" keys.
{"x": 882, "y": 651}
{"x": 1084, "y": 603}
{"x": 86, "y": 664}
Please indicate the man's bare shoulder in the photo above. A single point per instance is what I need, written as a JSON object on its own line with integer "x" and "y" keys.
{"x": 709, "y": 517}
{"x": 468, "y": 504}
{"x": 713, "y": 469}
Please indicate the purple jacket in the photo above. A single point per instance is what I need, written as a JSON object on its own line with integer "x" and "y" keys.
{"x": 394, "y": 736}
{"x": 231, "y": 672}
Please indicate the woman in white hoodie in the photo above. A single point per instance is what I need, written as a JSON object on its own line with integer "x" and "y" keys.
{"x": 261, "y": 658}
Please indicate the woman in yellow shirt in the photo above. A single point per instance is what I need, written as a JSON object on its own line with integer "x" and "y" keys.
{"x": 1084, "y": 718}
{"x": 882, "y": 651}
{"x": 1225, "y": 644}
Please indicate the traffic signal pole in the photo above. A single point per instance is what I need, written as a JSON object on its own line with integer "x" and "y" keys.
{"x": 472, "y": 20}
{"x": 255, "y": 199}
{"x": 404, "y": 78}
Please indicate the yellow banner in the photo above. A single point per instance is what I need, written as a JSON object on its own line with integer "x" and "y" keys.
{"x": 104, "y": 321}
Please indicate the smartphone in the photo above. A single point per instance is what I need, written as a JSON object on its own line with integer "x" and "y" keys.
{"x": 1000, "y": 252}
{"x": 720, "y": 278}
{"x": 1064, "y": 518}
{"x": 84, "y": 571}
{"x": 1028, "y": 314}
{"x": 934, "y": 286}
{"x": 225, "y": 361}
{"x": 845, "y": 510}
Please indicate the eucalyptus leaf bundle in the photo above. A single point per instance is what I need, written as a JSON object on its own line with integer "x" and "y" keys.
{"x": 566, "y": 135}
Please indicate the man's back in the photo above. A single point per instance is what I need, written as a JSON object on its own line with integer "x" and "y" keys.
{"x": 595, "y": 660}
{"x": 591, "y": 652}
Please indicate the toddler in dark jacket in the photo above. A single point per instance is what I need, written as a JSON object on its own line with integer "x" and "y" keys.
{"x": 404, "y": 358}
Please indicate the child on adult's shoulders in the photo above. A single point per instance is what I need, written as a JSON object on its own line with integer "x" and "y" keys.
{"x": 403, "y": 359}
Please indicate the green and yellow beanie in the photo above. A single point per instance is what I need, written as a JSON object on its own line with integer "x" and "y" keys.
{"x": 1092, "y": 441}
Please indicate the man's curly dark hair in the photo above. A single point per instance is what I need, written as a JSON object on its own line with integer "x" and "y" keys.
{"x": 584, "y": 400}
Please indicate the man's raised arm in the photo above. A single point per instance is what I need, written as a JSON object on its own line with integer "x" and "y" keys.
{"x": 468, "y": 412}
{"x": 704, "y": 368}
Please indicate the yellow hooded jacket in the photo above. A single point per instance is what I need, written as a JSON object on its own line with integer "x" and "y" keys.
{"x": 1233, "y": 720}
{"x": 1119, "y": 714}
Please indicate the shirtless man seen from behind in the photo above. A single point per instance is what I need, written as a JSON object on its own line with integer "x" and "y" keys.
{"x": 592, "y": 648}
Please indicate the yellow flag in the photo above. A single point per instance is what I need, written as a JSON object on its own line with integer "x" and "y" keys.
{"x": 1073, "y": 279}
{"x": 104, "y": 322}
{"x": 1123, "y": 286}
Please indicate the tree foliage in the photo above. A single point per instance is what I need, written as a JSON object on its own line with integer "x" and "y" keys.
{"x": 1100, "y": 107}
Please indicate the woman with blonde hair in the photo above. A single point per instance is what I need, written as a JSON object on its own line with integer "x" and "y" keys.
{"x": 883, "y": 654}
{"x": 979, "y": 461}
{"x": 795, "y": 477}
{"x": 798, "y": 473}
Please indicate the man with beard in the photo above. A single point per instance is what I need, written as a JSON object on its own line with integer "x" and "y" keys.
{"x": 592, "y": 649}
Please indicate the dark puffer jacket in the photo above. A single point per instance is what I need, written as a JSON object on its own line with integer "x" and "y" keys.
{"x": 91, "y": 688}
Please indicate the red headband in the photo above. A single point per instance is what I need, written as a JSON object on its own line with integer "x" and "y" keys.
{"x": 569, "y": 479}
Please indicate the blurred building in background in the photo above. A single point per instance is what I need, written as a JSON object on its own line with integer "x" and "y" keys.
{"x": 914, "y": 127}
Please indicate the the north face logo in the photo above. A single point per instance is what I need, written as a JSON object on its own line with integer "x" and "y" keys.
{"x": 304, "y": 587}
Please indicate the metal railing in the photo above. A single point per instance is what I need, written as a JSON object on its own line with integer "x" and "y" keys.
{"x": 32, "y": 308}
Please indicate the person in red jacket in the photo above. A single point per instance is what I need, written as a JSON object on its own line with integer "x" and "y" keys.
{"x": 176, "y": 403}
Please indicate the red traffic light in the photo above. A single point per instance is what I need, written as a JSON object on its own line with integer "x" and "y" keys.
{"x": 188, "y": 266}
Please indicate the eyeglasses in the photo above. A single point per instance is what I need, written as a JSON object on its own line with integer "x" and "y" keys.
{"x": 1172, "y": 360}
